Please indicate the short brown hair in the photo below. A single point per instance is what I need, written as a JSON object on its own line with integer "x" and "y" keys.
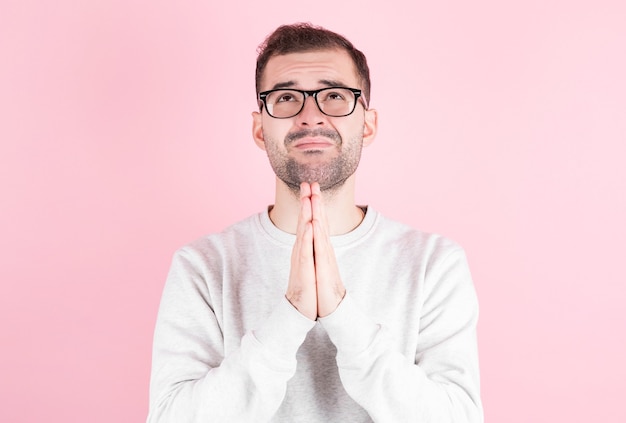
{"x": 302, "y": 37}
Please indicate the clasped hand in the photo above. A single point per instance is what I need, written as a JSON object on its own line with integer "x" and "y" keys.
{"x": 315, "y": 286}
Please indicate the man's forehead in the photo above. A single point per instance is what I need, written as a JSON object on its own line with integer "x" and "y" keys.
{"x": 320, "y": 67}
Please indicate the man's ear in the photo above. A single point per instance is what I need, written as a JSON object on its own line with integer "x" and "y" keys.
{"x": 257, "y": 130}
{"x": 370, "y": 126}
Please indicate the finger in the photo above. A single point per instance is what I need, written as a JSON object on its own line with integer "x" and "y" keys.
{"x": 316, "y": 196}
{"x": 302, "y": 255}
{"x": 315, "y": 188}
{"x": 330, "y": 289}
{"x": 306, "y": 212}
{"x": 302, "y": 290}
{"x": 307, "y": 245}
{"x": 319, "y": 212}
{"x": 303, "y": 246}
{"x": 322, "y": 247}
{"x": 305, "y": 190}
{"x": 305, "y": 215}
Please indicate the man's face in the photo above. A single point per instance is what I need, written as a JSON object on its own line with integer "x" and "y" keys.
{"x": 311, "y": 146}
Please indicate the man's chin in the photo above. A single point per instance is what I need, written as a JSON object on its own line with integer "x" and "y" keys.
{"x": 313, "y": 151}
{"x": 326, "y": 186}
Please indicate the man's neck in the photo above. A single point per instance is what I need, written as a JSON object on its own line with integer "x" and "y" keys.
{"x": 343, "y": 214}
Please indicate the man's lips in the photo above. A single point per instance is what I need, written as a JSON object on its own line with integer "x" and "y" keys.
{"x": 312, "y": 143}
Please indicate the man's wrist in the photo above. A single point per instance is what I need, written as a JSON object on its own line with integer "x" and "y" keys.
{"x": 285, "y": 329}
{"x": 349, "y": 328}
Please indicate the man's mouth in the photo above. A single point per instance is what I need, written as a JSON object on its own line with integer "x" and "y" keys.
{"x": 318, "y": 139}
{"x": 312, "y": 143}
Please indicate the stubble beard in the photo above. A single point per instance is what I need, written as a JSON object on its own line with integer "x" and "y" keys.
{"x": 330, "y": 173}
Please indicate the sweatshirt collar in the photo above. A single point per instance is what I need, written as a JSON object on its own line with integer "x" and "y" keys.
{"x": 366, "y": 226}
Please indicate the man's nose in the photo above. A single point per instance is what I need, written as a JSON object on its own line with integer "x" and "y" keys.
{"x": 310, "y": 115}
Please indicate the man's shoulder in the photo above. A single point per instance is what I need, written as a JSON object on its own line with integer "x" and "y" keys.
{"x": 231, "y": 235}
{"x": 408, "y": 236}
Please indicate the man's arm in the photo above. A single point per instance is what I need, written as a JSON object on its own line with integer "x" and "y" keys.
{"x": 441, "y": 383}
{"x": 192, "y": 380}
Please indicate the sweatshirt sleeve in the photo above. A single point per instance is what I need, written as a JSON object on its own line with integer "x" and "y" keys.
{"x": 193, "y": 381}
{"x": 440, "y": 384}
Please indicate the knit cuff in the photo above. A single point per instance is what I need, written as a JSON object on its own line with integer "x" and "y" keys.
{"x": 284, "y": 331}
{"x": 349, "y": 328}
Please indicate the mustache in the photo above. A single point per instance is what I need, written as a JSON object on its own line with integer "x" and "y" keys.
{"x": 320, "y": 132}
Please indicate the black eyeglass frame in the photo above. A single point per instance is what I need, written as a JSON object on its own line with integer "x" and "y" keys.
{"x": 312, "y": 93}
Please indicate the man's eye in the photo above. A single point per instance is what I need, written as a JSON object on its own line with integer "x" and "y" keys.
{"x": 334, "y": 96}
{"x": 285, "y": 98}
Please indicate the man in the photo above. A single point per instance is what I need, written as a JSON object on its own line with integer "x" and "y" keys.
{"x": 316, "y": 310}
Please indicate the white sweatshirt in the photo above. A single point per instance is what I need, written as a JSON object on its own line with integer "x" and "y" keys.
{"x": 401, "y": 346}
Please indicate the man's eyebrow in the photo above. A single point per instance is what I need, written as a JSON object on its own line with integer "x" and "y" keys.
{"x": 326, "y": 82}
{"x": 287, "y": 84}
{"x": 331, "y": 83}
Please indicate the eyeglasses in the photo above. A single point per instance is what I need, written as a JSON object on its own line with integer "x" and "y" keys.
{"x": 334, "y": 101}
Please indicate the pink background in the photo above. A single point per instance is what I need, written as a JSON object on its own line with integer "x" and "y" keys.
{"x": 125, "y": 133}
